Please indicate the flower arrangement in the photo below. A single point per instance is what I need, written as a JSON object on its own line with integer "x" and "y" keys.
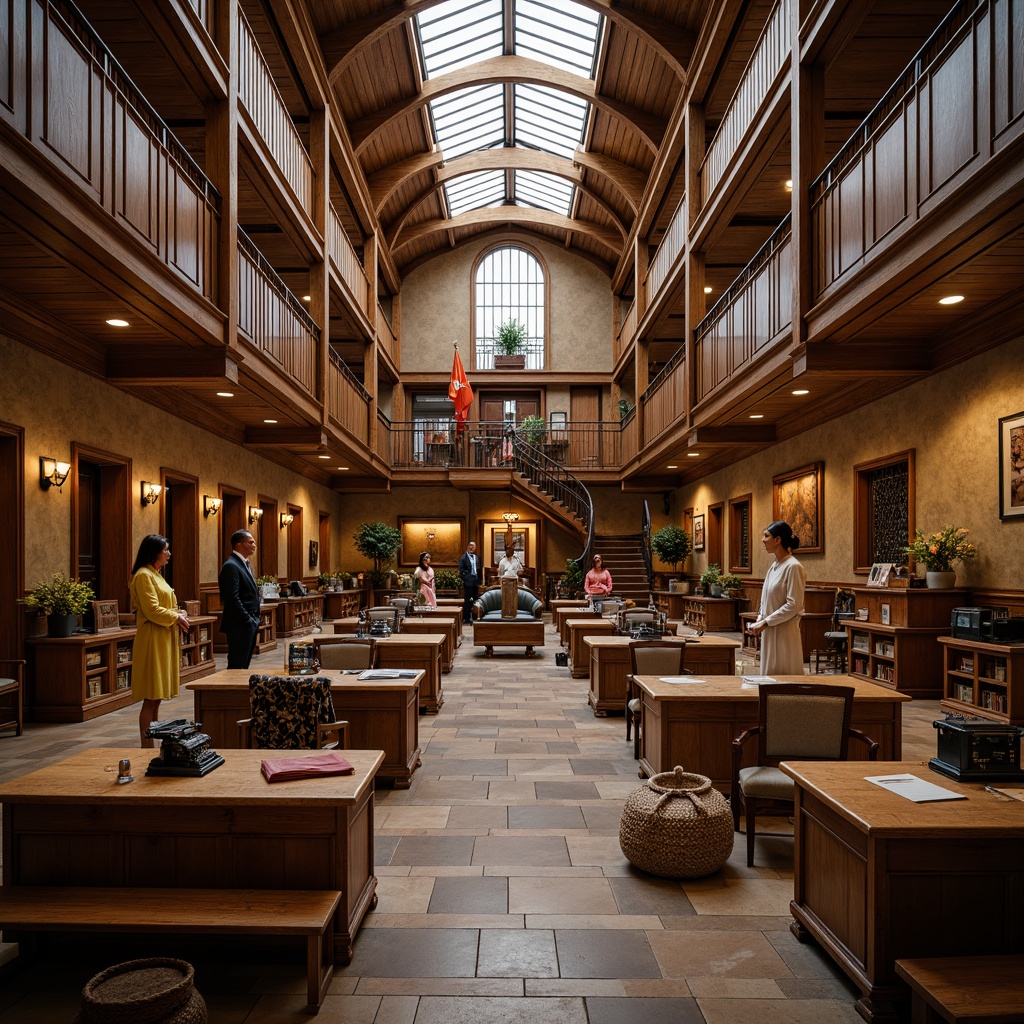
{"x": 405, "y": 581}
{"x": 940, "y": 550}
{"x": 59, "y": 596}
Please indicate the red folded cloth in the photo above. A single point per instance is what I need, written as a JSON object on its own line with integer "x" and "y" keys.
{"x": 282, "y": 769}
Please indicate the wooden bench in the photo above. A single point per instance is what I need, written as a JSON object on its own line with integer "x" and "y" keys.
{"x": 183, "y": 911}
{"x": 978, "y": 989}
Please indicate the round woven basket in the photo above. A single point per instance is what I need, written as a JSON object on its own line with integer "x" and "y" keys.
{"x": 154, "y": 991}
{"x": 677, "y": 825}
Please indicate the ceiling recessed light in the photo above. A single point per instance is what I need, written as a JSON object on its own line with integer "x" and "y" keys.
{"x": 323, "y": 456}
{"x": 270, "y": 421}
{"x": 801, "y": 391}
{"x": 707, "y": 289}
{"x": 225, "y": 394}
{"x": 306, "y": 298}
{"x": 757, "y": 415}
{"x": 673, "y": 467}
{"x": 115, "y": 322}
{"x": 342, "y": 469}
{"x": 949, "y": 300}
{"x": 789, "y": 184}
{"x": 693, "y": 455}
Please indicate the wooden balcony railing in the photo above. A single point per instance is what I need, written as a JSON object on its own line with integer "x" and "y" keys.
{"x": 770, "y": 57}
{"x": 752, "y": 316}
{"x": 273, "y": 320}
{"x": 946, "y": 116}
{"x": 627, "y": 329}
{"x": 435, "y": 444}
{"x": 382, "y": 443}
{"x": 259, "y": 95}
{"x": 628, "y": 444}
{"x": 664, "y": 400}
{"x": 346, "y": 263}
{"x": 203, "y": 10}
{"x": 671, "y": 248}
{"x": 85, "y": 116}
{"x": 386, "y": 333}
{"x": 348, "y": 402}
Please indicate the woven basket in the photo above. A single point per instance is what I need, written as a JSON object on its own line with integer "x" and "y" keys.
{"x": 154, "y": 991}
{"x": 677, "y": 825}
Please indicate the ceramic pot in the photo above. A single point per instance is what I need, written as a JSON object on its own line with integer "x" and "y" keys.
{"x": 60, "y": 625}
{"x": 940, "y": 580}
{"x": 716, "y": 590}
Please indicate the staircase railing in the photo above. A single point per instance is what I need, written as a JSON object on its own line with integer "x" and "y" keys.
{"x": 556, "y": 482}
{"x": 645, "y": 544}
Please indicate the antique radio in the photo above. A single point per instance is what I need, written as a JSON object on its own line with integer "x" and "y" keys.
{"x": 976, "y": 750}
{"x": 184, "y": 750}
{"x": 966, "y": 623}
{"x": 1004, "y": 630}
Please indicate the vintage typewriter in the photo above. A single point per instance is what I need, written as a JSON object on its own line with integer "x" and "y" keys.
{"x": 184, "y": 750}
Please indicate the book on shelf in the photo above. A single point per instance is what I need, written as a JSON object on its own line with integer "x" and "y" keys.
{"x": 124, "y": 653}
{"x": 967, "y": 663}
{"x": 885, "y": 648}
{"x": 124, "y": 679}
{"x": 93, "y": 659}
{"x": 964, "y": 692}
{"x": 93, "y": 687}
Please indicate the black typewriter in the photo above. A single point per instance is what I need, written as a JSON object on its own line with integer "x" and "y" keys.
{"x": 184, "y": 750}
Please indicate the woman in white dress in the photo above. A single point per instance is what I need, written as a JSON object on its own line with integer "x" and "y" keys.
{"x": 782, "y": 604}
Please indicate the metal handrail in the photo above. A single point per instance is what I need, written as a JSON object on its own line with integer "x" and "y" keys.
{"x": 645, "y": 544}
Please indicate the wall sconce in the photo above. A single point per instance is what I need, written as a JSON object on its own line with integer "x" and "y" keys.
{"x": 211, "y": 505}
{"x": 150, "y": 492}
{"x": 52, "y": 473}
{"x": 255, "y": 514}
{"x": 286, "y": 519}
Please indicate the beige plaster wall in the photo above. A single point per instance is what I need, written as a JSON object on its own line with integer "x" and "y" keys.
{"x": 437, "y": 310}
{"x": 950, "y": 419}
{"x": 56, "y": 405}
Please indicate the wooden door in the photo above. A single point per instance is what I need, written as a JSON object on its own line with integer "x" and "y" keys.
{"x": 12, "y": 539}
{"x": 584, "y": 429}
{"x": 715, "y": 531}
{"x": 180, "y": 509}
{"x": 497, "y": 408}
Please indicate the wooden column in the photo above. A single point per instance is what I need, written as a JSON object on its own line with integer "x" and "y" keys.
{"x": 693, "y": 261}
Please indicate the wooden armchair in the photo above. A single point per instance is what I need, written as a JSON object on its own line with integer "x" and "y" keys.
{"x": 12, "y": 688}
{"x": 649, "y": 658}
{"x": 291, "y": 713}
{"x": 345, "y": 652}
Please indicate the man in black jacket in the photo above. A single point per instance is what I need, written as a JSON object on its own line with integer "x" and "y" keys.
{"x": 240, "y": 599}
{"x": 469, "y": 573}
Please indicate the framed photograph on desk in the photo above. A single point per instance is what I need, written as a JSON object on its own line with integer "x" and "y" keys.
{"x": 880, "y": 574}
{"x": 105, "y": 616}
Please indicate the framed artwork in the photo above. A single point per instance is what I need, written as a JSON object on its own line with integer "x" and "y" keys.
{"x": 497, "y": 545}
{"x": 104, "y": 614}
{"x": 885, "y": 615}
{"x": 698, "y": 532}
{"x": 1011, "y": 467}
{"x": 314, "y": 553}
{"x": 879, "y": 576}
{"x": 444, "y": 538}
{"x": 798, "y": 498}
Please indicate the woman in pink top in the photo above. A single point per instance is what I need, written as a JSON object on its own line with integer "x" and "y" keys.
{"x": 598, "y": 583}
{"x": 425, "y": 574}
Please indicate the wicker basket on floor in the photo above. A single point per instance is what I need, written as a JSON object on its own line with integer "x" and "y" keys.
{"x": 153, "y": 991}
{"x": 677, "y": 825}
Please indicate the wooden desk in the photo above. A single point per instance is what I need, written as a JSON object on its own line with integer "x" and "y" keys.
{"x": 610, "y": 664}
{"x": 694, "y": 724}
{"x": 383, "y": 714}
{"x": 72, "y": 824}
{"x": 578, "y": 630}
{"x": 562, "y": 611}
{"x": 442, "y": 614}
{"x": 419, "y": 652}
{"x": 878, "y": 878}
{"x": 414, "y": 625}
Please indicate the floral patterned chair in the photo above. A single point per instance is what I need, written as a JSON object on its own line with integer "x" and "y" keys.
{"x": 291, "y": 713}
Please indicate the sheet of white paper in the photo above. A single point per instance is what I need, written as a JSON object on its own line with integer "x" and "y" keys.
{"x": 758, "y": 680}
{"x": 913, "y": 788}
{"x": 681, "y": 679}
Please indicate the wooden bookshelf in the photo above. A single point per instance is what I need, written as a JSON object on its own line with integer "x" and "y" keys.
{"x": 296, "y": 616}
{"x": 266, "y": 632}
{"x": 80, "y": 677}
{"x": 983, "y": 680}
{"x": 197, "y": 648}
{"x": 710, "y": 614}
{"x": 341, "y": 604}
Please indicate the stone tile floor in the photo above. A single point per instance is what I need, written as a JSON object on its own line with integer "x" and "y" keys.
{"x": 504, "y": 895}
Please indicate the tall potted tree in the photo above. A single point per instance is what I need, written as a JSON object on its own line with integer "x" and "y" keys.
{"x": 672, "y": 545}
{"x": 380, "y": 543}
{"x": 510, "y": 344}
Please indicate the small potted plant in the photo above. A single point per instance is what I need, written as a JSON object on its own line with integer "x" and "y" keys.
{"x": 711, "y": 580}
{"x": 533, "y": 429}
{"x": 325, "y": 581}
{"x": 572, "y": 579}
{"x": 732, "y": 585}
{"x": 344, "y": 578}
{"x": 447, "y": 581}
{"x": 510, "y": 343}
{"x": 268, "y": 587}
{"x": 625, "y": 407}
{"x": 939, "y": 551}
{"x": 61, "y": 600}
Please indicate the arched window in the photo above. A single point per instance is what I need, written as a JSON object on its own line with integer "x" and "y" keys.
{"x": 509, "y": 286}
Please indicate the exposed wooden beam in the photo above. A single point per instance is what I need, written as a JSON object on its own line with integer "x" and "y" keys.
{"x": 159, "y": 366}
{"x": 388, "y": 180}
{"x": 883, "y": 360}
{"x": 760, "y": 434}
{"x": 294, "y": 438}
{"x": 504, "y": 69}
{"x": 628, "y": 180}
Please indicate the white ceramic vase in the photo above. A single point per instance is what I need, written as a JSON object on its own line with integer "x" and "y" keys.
{"x": 940, "y": 580}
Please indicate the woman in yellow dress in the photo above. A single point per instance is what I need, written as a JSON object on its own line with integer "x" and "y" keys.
{"x": 155, "y": 653}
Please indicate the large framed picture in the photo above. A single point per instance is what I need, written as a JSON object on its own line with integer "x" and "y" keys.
{"x": 314, "y": 553}
{"x": 520, "y": 544}
{"x": 444, "y": 538}
{"x": 698, "y": 532}
{"x": 798, "y": 498}
{"x": 1011, "y": 467}
{"x": 105, "y": 616}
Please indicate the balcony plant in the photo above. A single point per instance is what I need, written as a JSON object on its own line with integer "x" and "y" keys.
{"x": 533, "y": 429}
{"x": 61, "y": 600}
{"x": 510, "y": 345}
{"x": 938, "y": 552}
{"x": 624, "y": 407}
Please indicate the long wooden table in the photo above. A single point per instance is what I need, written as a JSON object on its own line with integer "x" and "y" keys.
{"x": 610, "y": 664}
{"x": 879, "y": 878}
{"x": 418, "y": 652}
{"x": 381, "y": 714}
{"x": 72, "y": 824}
{"x": 694, "y": 724}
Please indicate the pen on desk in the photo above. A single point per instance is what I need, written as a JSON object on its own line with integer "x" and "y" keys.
{"x": 1003, "y": 793}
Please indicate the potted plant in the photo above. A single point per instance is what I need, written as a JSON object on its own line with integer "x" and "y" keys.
{"x": 624, "y": 408}
{"x": 711, "y": 580}
{"x": 510, "y": 342}
{"x": 534, "y": 429}
{"x": 344, "y": 578}
{"x": 732, "y": 585}
{"x": 380, "y": 543}
{"x": 61, "y": 600}
{"x": 672, "y": 545}
{"x": 446, "y": 580}
{"x": 268, "y": 587}
{"x": 939, "y": 551}
{"x": 572, "y": 579}
{"x": 325, "y": 581}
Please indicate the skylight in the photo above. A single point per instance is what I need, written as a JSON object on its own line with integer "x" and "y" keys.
{"x": 558, "y": 33}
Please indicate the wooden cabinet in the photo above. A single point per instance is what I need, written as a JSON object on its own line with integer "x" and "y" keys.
{"x": 266, "y": 631}
{"x": 341, "y": 604}
{"x": 296, "y": 616}
{"x": 81, "y": 677}
{"x": 985, "y": 680}
{"x": 197, "y": 648}
{"x": 902, "y": 653}
{"x": 709, "y": 614}
{"x": 670, "y": 604}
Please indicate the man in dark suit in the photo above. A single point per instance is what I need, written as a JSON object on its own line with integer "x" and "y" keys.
{"x": 469, "y": 573}
{"x": 240, "y": 599}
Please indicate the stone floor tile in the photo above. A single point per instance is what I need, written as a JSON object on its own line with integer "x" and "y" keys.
{"x": 463, "y": 766}
{"x": 768, "y": 896}
{"x": 397, "y": 1010}
{"x": 560, "y": 896}
{"x": 542, "y": 851}
{"x": 469, "y": 896}
{"x": 804, "y": 959}
{"x": 511, "y": 791}
{"x": 542, "y": 816}
{"x": 413, "y": 817}
{"x": 403, "y": 895}
{"x": 566, "y": 791}
{"x": 414, "y": 952}
{"x": 434, "y": 850}
{"x": 496, "y": 1010}
{"x": 731, "y": 954}
{"x": 594, "y": 922}
{"x": 602, "y": 816}
{"x": 645, "y": 895}
{"x": 481, "y": 816}
{"x": 592, "y": 766}
{"x": 517, "y": 954}
{"x": 603, "y": 850}
{"x": 718, "y": 987}
{"x": 604, "y": 954}
{"x": 650, "y": 1011}
{"x": 778, "y": 1011}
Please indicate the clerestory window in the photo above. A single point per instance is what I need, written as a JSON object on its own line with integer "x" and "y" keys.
{"x": 509, "y": 286}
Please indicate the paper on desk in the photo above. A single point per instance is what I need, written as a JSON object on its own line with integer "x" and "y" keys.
{"x": 387, "y": 673}
{"x": 913, "y": 788}
{"x": 681, "y": 679}
{"x": 749, "y": 681}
